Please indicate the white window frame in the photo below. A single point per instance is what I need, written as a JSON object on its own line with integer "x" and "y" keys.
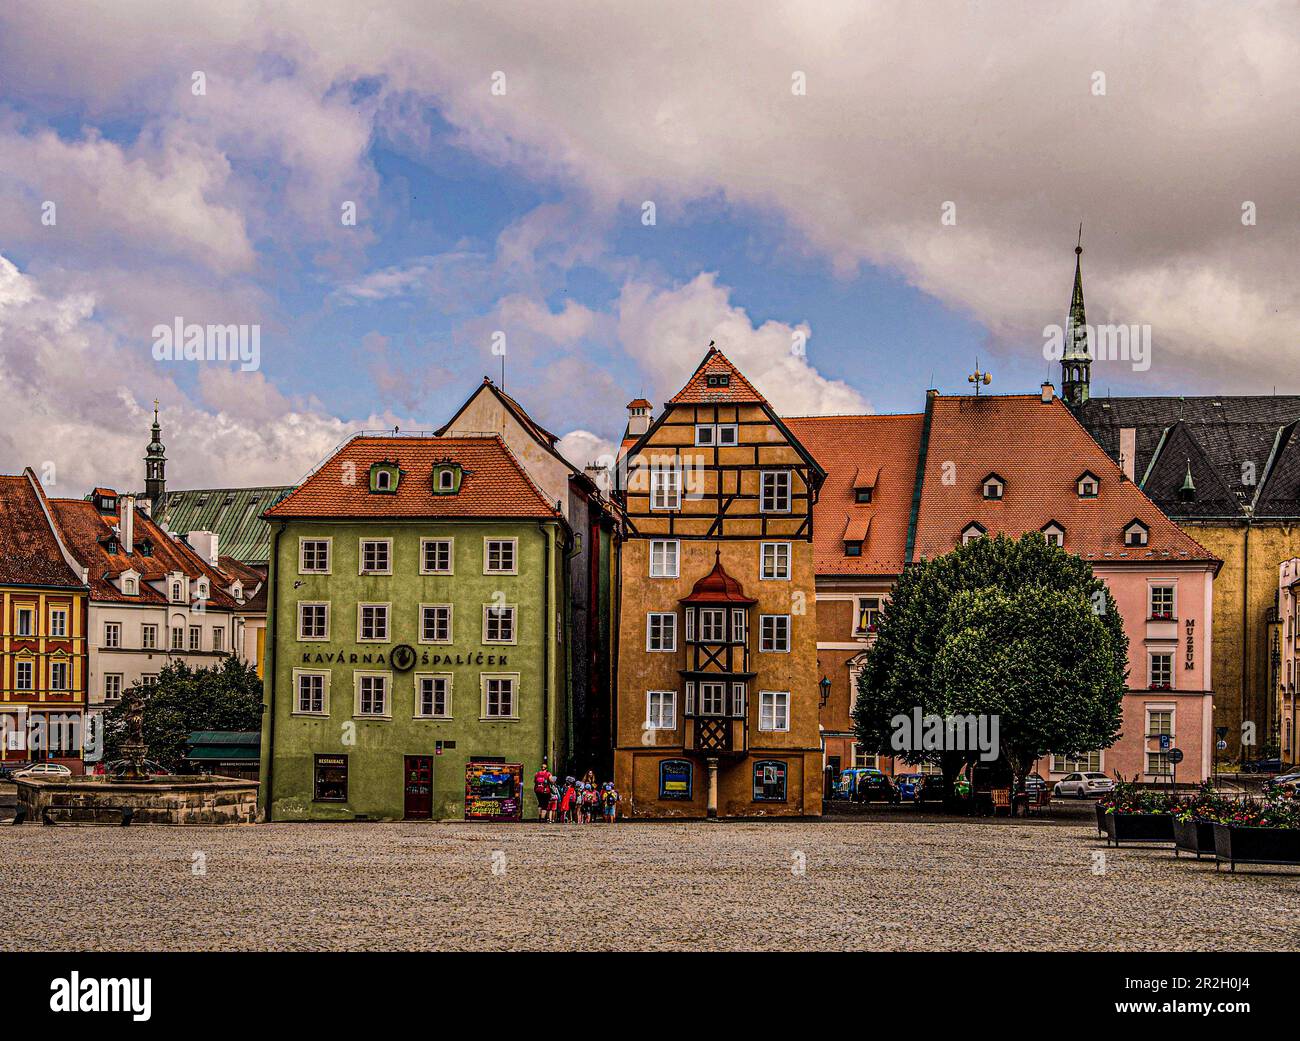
{"x": 774, "y": 706}
{"x": 1170, "y": 710}
{"x": 776, "y": 547}
{"x": 65, "y": 667}
{"x": 1173, "y": 599}
{"x": 433, "y": 677}
{"x": 324, "y": 675}
{"x": 706, "y": 686}
{"x": 175, "y": 639}
{"x": 707, "y": 631}
{"x": 302, "y": 636}
{"x": 218, "y": 638}
{"x": 1055, "y": 535}
{"x": 362, "y": 543}
{"x": 357, "y": 677}
{"x": 665, "y": 494}
{"x": 451, "y": 623}
{"x": 763, "y": 621}
{"x": 328, "y": 541}
{"x": 858, "y": 610}
{"x": 114, "y": 640}
{"x": 513, "y": 569}
{"x": 28, "y": 614}
{"x": 1061, "y": 764}
{"x": 739, "y": 625}
{"x": 663, "y": 618}
{"x": 1142, "y": 533}
{"x": 388, "y": 623}
{"x": 149, "y": 636}
{"x": 28, "y": 666}
{"x": 194, "y": 639}
{"x": 121, "y": 685}
{"x": 58, "y": 622}
{"x": 676, "y": 555}
{"x": 512, "y": 611}
{"x": 1151, "y": 668}
{"x": 484, "y": 677}
{"x": 763, "y": 491}
{"x": 450, "y": 543}
{"x": 661, "y": 710}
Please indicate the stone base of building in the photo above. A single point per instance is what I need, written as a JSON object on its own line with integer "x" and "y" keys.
{"x": 663, "y": 783}
{"x": 212, "y": 800}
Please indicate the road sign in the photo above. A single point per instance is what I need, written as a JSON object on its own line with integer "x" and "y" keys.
{"x": 1165, "y": 742}
{"x": 1222, "y": 746}
{"x": 1175, "y": 755}
{"x": 1221, "y": 731}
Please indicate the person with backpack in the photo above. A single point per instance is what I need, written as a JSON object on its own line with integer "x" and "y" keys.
{"x": 610, "y": 798}
{"x": 542, "y": 781}
{"x": 590, "y": 803}
{"x": 566, "y": 801}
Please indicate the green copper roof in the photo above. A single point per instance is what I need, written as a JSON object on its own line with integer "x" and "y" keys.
{"x": 1076, "y": 333}
{"x": 235, "y": 514}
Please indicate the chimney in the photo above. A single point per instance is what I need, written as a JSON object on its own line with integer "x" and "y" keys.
{"x": 1048, "y": 391}
{"x": 638, "y": 417}
{"x": 126, "y": 522}
{"x": 1128, "y": 450}
{"x": 204, "y": 543}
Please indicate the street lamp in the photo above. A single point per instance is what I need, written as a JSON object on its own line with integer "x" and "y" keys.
{"x": 825, "y": 686}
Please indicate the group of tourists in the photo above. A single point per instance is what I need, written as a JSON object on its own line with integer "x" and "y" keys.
{"x": 571, "y": 801}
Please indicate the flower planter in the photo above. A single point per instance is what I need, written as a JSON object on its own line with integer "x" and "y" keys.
{"x": 1139, "y": 827}
{"x": 1255, "y": 845}
{"x": 1193, "y": 837}
{"x": 1101, "y": 819}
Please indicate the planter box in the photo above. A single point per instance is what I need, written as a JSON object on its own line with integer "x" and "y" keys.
{"x": 1255, "y": 845}
{"x": 1101, "y": 819}
{"x": 1139, "y": 827}
{"x": 1193, "y": 837}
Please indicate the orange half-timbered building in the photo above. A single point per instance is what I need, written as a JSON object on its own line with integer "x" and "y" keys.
{"x": 717, "y": 656}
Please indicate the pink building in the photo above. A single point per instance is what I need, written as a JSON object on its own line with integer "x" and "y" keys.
{"x": 1288, "y": 672}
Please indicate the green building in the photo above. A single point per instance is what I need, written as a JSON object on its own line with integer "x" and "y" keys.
{"x": 416, "y": 664}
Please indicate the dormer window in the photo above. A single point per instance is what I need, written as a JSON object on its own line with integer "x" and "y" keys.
{"x": 1136, "y": 533}
{"x": 974, "y": 530}
{"x": 202, "y": 589}
{"x": 994, "y": 486}
{"x": 1087, "y": 485}
{"x": 718, "y": 379}
{"x": 862, "y": 494}
{"x": 852, "y": 548}
{"x": 446, "y": 477}
{"x": 384, "y": 478}
{"x": 177, "y": 596}
{"x": 1054, "y": 534}
{"x": 145, "y": 548}
{"x": 237, "y": 591}
{"x": 129, "y": 587}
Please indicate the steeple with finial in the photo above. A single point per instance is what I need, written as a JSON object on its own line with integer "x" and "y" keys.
{"x": 1076, "y": 360}
{"x": 155, "y": 466}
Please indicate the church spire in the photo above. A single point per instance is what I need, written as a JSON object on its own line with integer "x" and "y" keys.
{"x": 155, "y": 466}
{"x": 1076, "y": 360}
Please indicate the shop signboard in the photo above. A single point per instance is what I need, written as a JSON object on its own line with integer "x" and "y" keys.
{"x": 493, "y": 791}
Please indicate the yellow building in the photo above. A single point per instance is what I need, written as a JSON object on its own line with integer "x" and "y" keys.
{"x": 717, "y": 680}
{"x": 43, "y": 597}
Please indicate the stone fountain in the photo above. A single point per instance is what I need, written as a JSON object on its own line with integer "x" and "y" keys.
{"x": 135, "y": 796}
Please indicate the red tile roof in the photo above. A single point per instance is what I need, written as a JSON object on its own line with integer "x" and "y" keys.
{"x": 884, "y": 448}
{"x": 252, "y": 578}
{"x": 697, "y": 391}
{"x": 30, "y": 554}
{"x": 493, "y": 485}
{"x": 1039, "y": 450}
{"x": 87, "y": 532}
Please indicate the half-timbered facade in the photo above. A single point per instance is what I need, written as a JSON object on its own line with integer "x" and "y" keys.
{"x": 717, "y": 656}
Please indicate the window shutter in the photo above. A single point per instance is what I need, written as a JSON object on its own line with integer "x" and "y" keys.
{"x": 737, "y": 701}
{"x": 690, "y": 699}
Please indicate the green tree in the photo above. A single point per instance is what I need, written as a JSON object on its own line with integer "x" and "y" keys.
{"x": 936, "y": 649}
{"x": 227, "y": 697}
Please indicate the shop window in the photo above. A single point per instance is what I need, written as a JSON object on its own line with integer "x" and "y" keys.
{"x": 769, "y": 780}
{"x": 675, "y": 779}
{"x": 331, "y": 778}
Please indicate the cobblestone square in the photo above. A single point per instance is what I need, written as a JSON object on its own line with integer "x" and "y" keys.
{"x": 819, "y": 886}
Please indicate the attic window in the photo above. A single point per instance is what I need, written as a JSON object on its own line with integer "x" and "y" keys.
{"x": 1087, "y": 485}
{"x": 862, "y": 494}
{"x": 718, "y": 379}
{"x": 971, "y": 532}
{"x": 1054, "y": 534}
{"x": 176, "y": 593}
{"x": 994, "y": 486}
{"x": 447, "y": 477}
{"x": 128, "y": 586}
{"x": 202, "y": 590}
{"x": 852, "y": 548}
{"x": 145, "y": 548}
{"x": 1136, "y": 533}
{"x": 384, "y": 478}
{"x": 106, "y": 504}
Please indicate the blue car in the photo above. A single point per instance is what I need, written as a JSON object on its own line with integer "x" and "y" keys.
{"x": 910, "y": 786}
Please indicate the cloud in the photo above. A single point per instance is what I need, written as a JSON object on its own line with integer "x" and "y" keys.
{"x": 670, "y": 329}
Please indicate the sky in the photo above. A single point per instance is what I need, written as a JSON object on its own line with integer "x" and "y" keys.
{"x": 856, "y": 201}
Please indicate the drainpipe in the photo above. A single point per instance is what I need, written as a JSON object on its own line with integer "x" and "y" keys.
{"x": 548, "y": 634}
{"x": 268, "y": 678}
{"x": 1245, "y": 629}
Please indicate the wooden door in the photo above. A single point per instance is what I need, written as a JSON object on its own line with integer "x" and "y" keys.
{"x": 418, "y": 790}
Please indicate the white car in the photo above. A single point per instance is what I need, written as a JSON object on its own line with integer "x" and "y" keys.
{"x": 44, "y": 770}
{"x": 1084, "y": 785}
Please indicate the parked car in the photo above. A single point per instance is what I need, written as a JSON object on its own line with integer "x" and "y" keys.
{"x": 1083, "y": 785}
{"x": 910, "y": 786}
{"x": 1034, "y": 785}
{"x": 43, "y": 770}
{"x": 1265, "y": 766}
{"x": 1290, "y": 780}
{"x": 9, "y": 769}
{"x": 865, "y": 783}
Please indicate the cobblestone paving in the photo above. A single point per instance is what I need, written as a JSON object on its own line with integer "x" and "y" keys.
{"x": 698, "y": 886}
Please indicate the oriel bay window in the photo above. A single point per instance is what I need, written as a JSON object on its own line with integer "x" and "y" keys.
{"x": 713, "y": 625}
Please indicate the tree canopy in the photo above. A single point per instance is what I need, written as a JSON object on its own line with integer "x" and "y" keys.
{"x": 1012, "y": 628}
{"x": 227, "y": 697}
